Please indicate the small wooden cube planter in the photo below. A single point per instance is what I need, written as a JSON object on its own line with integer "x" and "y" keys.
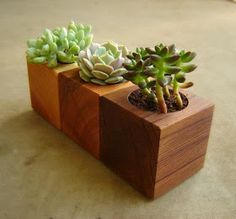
{"x": 153, "y": 152}
{"x": 80, "y": 110}
{"x": 44, "y": 89}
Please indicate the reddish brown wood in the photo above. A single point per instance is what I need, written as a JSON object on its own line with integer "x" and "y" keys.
{"x": 80, "y": 110}
{"x": 164, "y": 185}
{"x": 44, "y": 90}
{"x": 148, "y": 149}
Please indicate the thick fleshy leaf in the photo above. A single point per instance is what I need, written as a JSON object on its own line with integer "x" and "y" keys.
{"x": 100, "y": 75}
{"x": 80, "y": 35}
{"x": 74, "y": 49}
{"x": 82, "y": 54}
{"x": 45, "y": 50}
{"x": 111, "y": 46}
{"x": 117, "y": 63}
{"x": 53, "y": 48}
{"x": 100, "y": 51}
{"x": 149, "y": 72}
{"x": 97, "y": 59}
{"x": 172, "y": 69}
{"x": 114, "y": 80}
{"x": 172, "y": 59}
{"x": 87, "y": 29}
{"x": 31, "y": 42}
{"x": 85, "y": 70}
{"x": 147, "y": 62}
{"x": 155, "y": 58}
{"x": 130, "y": 75}
{"x": 88, "y": 40}
{"x": 172, "y": 49}
{"x": 83, "y": 76}
{"x": 189, "y": 68}
{"x": 186, "y": 85}
{"x": 163, "y": 81}
{"x": 48, "y": 34}
{"x": 31, "y": 52}
{"x": 124, "y": 50}
{"x": 107, "y": 58}
{"x": 142, "y": 84}
{"x": 93, "y": 47}
{"x": 63, "y": 33}
{"x": 188, "y": 56}
{"x": 52, "y": 61}
{"x": 150, "y": 50}
{"x": 164, "y": 51}
{"x": 180, "y": 77}
{"x": 39, "y": 60}
{"x": 129, "y": 66}
{"x": 151, "y": 83}
{"x": 72, "y": 26}
{"x": 118, "y": 72}
{"x": 65, "y": 43}
{"x": 88, "y": 64}
{"x": 104, "y": 68}
{"x": 97, "y": 81}
{"x": 82, "y": 44}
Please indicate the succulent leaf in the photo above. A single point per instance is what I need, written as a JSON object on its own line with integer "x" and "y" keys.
{"x": 118, "y": 72}
{"x": 97, "y": 81}
{"x": 189, "y": 68}
{"x": 100, "y": 75}
{"x": 114, "y": 80}
{"x": 188, "y": 56}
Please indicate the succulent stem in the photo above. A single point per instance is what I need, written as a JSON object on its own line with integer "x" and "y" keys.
{"x": 160, "y": 97}
{"x": 149, "y": 94}
{"x": 178, "y": 98}
{"x": 166, "y": 91}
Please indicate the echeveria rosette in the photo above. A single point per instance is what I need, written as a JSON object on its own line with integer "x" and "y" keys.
{"x": 102, "y": 64}
{"x": 158, "y": 68}
{"x": 59, "y": 45}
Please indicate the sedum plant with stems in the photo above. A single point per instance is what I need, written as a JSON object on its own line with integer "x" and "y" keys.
{"x": 102, "y": 63}
{"x": 157, "y": 69}
{"x": 61, "y": 45}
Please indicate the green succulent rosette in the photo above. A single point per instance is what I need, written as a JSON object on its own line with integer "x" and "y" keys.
{"x": 61, "y": 45}
{"x": 102, "y": 64}
{"x": 158, "y": 69}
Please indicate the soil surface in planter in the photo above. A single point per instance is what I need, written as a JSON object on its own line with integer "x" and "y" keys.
{"x": 139, "y": 100}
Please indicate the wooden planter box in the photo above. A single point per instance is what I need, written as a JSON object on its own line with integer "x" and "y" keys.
{"x": 153, "y": 152}
{"x": 44, "y": 89}
{"x": 80, "y": 110}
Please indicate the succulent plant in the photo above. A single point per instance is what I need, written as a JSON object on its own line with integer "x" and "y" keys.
{"x": 102, "y": 64}
{"x": 59, "y": 45}
{"x": 159, "y": 68}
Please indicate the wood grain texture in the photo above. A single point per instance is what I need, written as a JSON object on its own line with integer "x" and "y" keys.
{"x": 145, "y": 147}
{"x": 172, "y": 180}
{"x": 44, "y": 89}
{"x": 80, "y": 110}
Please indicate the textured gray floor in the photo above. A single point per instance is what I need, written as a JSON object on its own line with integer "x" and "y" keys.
{"x": 43, "y": 174}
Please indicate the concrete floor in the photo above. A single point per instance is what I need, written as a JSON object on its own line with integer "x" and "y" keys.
{"x": 43, "y": 174}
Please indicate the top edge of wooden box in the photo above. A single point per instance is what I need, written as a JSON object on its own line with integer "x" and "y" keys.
{"x": 196, "y": 105}
{"x": 100, "y": 90}
{"x": 58, "y": 69}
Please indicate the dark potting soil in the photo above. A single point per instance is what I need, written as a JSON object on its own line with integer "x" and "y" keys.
{"x": 139, "y": 100}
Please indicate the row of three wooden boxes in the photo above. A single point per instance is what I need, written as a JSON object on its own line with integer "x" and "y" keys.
{"x": 153, "y": 152}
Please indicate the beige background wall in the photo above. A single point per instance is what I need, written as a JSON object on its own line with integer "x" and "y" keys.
{"x": 43, "y": 174}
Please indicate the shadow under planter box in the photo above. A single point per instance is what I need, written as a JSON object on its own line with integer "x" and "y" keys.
{"x": 44, "y": 89}
{"x": 80, "y": 110}
{"x": 153, "y": 152}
